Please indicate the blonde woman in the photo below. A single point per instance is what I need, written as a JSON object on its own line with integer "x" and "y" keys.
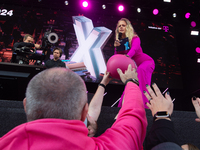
{"x": 145, "y": 64}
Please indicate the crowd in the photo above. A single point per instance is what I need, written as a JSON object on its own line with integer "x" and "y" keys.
{"x": 56, "y": 108}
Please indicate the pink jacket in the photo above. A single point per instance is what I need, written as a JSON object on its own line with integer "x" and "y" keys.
{"x": 136, "y": 52}
{"x": 128, "y": 132}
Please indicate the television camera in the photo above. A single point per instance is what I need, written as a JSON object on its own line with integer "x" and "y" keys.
{"x": 25, "y": 53}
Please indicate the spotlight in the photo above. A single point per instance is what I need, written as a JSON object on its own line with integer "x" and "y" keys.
{"x": 169, "y": 1}
{"x": 187, "y": 15}
{"x": 193, "y": 24}
{"x": 66, "y": 3}
{"x": 138, "y": 10}
{"x": 39, "y": 0}
{"x": 174, "y": 15}
{"x": 194, "y": 32}
{"x": 121, "y": 8}
{"x": 155, "y": 11}
{"x": 104, "y": 6}
{"x": 85, "y": 4}
{"x": 198, "y": 50}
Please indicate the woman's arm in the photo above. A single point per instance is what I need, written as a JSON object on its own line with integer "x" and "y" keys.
{"x": 135, "y": 45}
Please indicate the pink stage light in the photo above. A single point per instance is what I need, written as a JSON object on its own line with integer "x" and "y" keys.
{"x": 121, "y": 8}
{"x": 155, "y": 11}
{"x": 193, "y": 24}
{"x": 85, "y": 4}
{"x": 187, "y": 15}
{"x": 198, "y": 50}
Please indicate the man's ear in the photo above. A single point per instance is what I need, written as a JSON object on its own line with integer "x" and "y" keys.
{"x": 84, "y": 112}
{"x": 24, "y": 103}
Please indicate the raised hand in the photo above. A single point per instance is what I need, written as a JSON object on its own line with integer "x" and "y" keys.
{"x": 157, "y": 102}
{"x": 106, "y": 79}
{"x": 129, "y": 73}
{"x": 196, "y": 104}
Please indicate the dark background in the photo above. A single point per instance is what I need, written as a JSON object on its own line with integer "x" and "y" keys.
{"x": 173, "y": 52}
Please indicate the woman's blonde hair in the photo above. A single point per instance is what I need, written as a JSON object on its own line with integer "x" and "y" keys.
{"x": 130, "y": 32}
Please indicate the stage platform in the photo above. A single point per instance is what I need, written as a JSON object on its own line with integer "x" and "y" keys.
{"x": 15, "y": 77}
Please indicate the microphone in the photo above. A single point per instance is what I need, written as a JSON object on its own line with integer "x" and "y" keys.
{"x": 120, "y": 36}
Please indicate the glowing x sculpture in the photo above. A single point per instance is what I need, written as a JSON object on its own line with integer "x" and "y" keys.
{"x": 91, "y": 42}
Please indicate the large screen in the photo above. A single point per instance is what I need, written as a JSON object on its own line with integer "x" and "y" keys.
{"x": 157, "y": 39}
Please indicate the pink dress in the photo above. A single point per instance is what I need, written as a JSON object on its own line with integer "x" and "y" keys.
{"x": 145, "y": 66}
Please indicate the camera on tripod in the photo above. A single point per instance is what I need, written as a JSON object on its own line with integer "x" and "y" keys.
{"x": 49, "y": 39}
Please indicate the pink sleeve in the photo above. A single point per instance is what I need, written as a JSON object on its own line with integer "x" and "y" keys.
{"x": 129, "y": 130}
{"x": 135, "y": 45}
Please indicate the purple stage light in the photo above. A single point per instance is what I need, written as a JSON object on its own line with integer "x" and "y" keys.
{"x": 193, "y": 24}
{"x": 155, "y": 11}
{"x": 187, "y": 15}
{"x": 198, "y": 50}
{"x": 121, "y": 8}
{"x": 85, "y": 4}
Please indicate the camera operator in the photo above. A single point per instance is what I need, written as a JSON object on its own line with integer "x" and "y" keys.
{"x": 22, "y": 51}
{"x": 55, "y": 62}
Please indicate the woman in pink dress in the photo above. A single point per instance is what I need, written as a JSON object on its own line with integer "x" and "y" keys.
{"x": 145, "y": 64}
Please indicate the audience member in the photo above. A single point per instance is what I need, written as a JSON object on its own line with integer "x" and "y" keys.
{"x": 95, "y": 105}
{"x": 196, "y": 104}
{"x": 189, "y": 146}
{"x": 55, "y": 62}
{"x": 56, "y": 106}
{"x": 161, "y": 135}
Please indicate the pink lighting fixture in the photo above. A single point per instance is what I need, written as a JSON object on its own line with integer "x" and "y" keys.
{"x": 121, "y": 8}
{"x": 155, "y": 11}
{"x": 187, "y": 15}
{"x": 85, "y": 4}
{"x": 198, "y": 50}
{"x": 193, "y": 24}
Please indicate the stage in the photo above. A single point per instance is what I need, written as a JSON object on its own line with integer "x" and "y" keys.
{"x": 15, "y": 77}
